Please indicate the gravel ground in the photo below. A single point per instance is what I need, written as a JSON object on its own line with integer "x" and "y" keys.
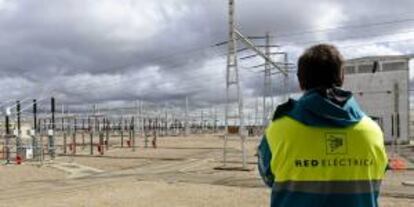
{"x": 178, "y": 173}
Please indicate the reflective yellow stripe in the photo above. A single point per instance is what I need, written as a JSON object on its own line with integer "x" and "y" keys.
{"x": 302, "y": 153}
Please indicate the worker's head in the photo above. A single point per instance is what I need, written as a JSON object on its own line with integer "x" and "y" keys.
{"x": 320, "y": 66}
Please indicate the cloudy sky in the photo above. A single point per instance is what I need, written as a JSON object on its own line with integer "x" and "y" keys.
{"x": 117, "y": 51}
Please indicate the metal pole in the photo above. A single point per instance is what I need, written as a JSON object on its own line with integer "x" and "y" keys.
{"x": 83, "y": 134}
{"x": 268, "y": 68}
{"x": 166, "y": 123}
{"x": 267, "y": 89}
{"x": 232, "y": 79}
{"x": 7, "y": 125}
{"x": 286, "y": 78}
{"x": 51, "y": 134}
{"x": 215, "y": 120}
{"x": 18, "y": 134}
{"x": 107, "y": 133}
{"x": 121, "y": 128}
{"x": 133, "y": 133}
{"x": 74, "y": 136}
{"x": 34, "y": 114}
{"x": 64, "y": 143}
{"x": 90, "y": 135}
{"x": 186, "y": 117}
{"x": 18, "y": 117}
{"x": 141, "y": 118}
{"x": 33, "y": 131}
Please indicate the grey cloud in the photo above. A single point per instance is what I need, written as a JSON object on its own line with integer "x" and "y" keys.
{"x": 84, "y": 51}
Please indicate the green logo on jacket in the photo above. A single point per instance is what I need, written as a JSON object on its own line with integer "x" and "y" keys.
{"x": 336, "y": 143}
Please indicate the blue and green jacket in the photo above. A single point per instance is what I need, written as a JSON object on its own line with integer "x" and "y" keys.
{"x": 322, "y": 151}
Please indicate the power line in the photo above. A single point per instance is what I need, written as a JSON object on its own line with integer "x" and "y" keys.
{"x": 375, "y": 24}
{"x": 349, "y": 38}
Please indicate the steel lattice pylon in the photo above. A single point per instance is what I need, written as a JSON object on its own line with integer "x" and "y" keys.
{"x": 267, "y": 92}
{"x": 233, "y": 83}
{"x": 233, "y": 89}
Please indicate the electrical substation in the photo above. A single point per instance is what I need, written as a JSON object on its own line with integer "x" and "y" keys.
{"x": 97, "y": 154}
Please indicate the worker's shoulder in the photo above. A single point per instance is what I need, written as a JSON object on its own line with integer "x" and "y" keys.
{"x": 285, "y": 123}
{"x": 283, "y": 109}
{"x": 367, "y": 124}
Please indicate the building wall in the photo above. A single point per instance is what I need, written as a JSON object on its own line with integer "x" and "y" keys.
{"x": 383, "y": 95}
{"x": 411, "y": 124}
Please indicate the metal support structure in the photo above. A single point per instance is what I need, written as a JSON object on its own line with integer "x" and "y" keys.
{"x": 74, "y": 136}
{"x": 132, "y": 128}
{"x": 250, "y": 45}
{"x": 186, "y": 123}
{"x": 34, "y": 114}
{"x": 64, "y": 143}
{"x": 267, "y": 89}
{"x": 286, "y": 78}
{"x": 141, "y": 120}
{"x": 18, "y": 131}
{"x": 233, "y": 83}
{"x": 202, "y": 121}
{"x": 7, "y": 137}
{"x": 101, "y": 143}
{"x": 51, "y": 135}
{"x": 83, "y": 134}
{"x": 35, "y": 145}
{"x": 215, "y": 121}
{"x": 91, "y": 142}
{"x": 107, "y": 133}
{"x": 73, "y": 144}
{"x": 90, "y": 135}
{"x": 121, "y": 131}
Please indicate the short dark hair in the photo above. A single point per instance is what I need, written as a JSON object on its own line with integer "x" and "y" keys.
{"x": 321, "y": 66}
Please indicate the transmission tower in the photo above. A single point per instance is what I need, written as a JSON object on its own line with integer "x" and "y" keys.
{"x": 233, "y": 91}
{"x": 267, "y": 90}
{"x": 286, "y": 78}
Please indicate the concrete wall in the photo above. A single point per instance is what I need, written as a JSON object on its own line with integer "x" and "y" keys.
{"x": 383, "y": 94}
{"x": 411, "y": 124}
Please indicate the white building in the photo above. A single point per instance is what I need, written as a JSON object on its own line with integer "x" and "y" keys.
{"x": 381, "y": 86}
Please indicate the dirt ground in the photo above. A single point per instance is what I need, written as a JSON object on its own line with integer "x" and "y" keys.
{"x": 180, "y": 172}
